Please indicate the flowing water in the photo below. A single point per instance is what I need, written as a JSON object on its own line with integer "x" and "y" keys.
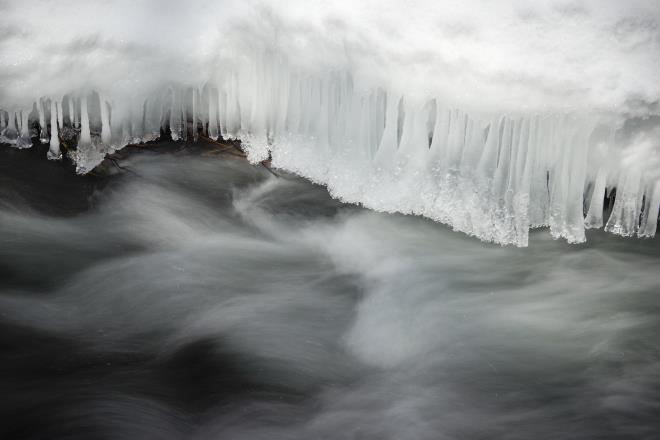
{"x": 203, "y": 298}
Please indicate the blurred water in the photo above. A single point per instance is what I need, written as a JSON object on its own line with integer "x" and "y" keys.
{"x": 202, "y": 298}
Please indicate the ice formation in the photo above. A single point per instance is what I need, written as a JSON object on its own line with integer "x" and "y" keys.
{"x": 492, "y": 118}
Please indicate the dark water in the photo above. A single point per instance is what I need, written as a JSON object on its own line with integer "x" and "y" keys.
{"x": 202, "y": 298}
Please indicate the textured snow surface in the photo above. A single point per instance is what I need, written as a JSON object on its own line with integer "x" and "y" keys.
{"x": 491, "y": 117}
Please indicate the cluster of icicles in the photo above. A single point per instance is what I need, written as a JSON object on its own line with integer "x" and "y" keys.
{"x": 490, "y": 176}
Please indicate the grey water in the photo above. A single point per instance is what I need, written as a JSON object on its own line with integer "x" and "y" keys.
{"x": 203, "y": 298}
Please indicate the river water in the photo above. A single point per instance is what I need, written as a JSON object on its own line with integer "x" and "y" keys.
{"x": 203, "y": 298}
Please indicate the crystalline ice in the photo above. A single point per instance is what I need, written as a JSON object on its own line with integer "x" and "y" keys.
{"x": 54, "y": 152}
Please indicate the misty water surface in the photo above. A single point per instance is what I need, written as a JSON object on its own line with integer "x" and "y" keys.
{"x": 198, "y": 298}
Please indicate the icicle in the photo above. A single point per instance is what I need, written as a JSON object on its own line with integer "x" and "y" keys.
{"x": 183, "y": 115}
{"x": 126, "y": 131}
{"x": 624, "y": 219}
{"x": 60, "y": 116}
{"x": 85, "y": 135}
{"x": 139, "y": 130}
{"x": 388, "y": 145}
{"x": 438, "y": 149}
{"x": 10, "y": 134}
{"x": 24, "y": 140}
{"x": 106, "y": 133}
{"x": 77, "y": 116}
{"x": 525, "y": 158}
{"x": 540, "y": 175}
{"x": 175, "y": 116}
{"x": 575, "y": 211}
{"x": 222, "y": 113}
{"x": 323, "y": 137}
{"x": 71, "y": 112}
{"x": 54, "y": 150}
{"x": 594, "y": 218}
{"x": 650, "y": 220}
{"x": 566, "y": 198}
{"x": 194, "y": 114}
{"x": 213, "y": 116}
{"x": 233, "y": 112}
{"x": 43, "y": 131}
